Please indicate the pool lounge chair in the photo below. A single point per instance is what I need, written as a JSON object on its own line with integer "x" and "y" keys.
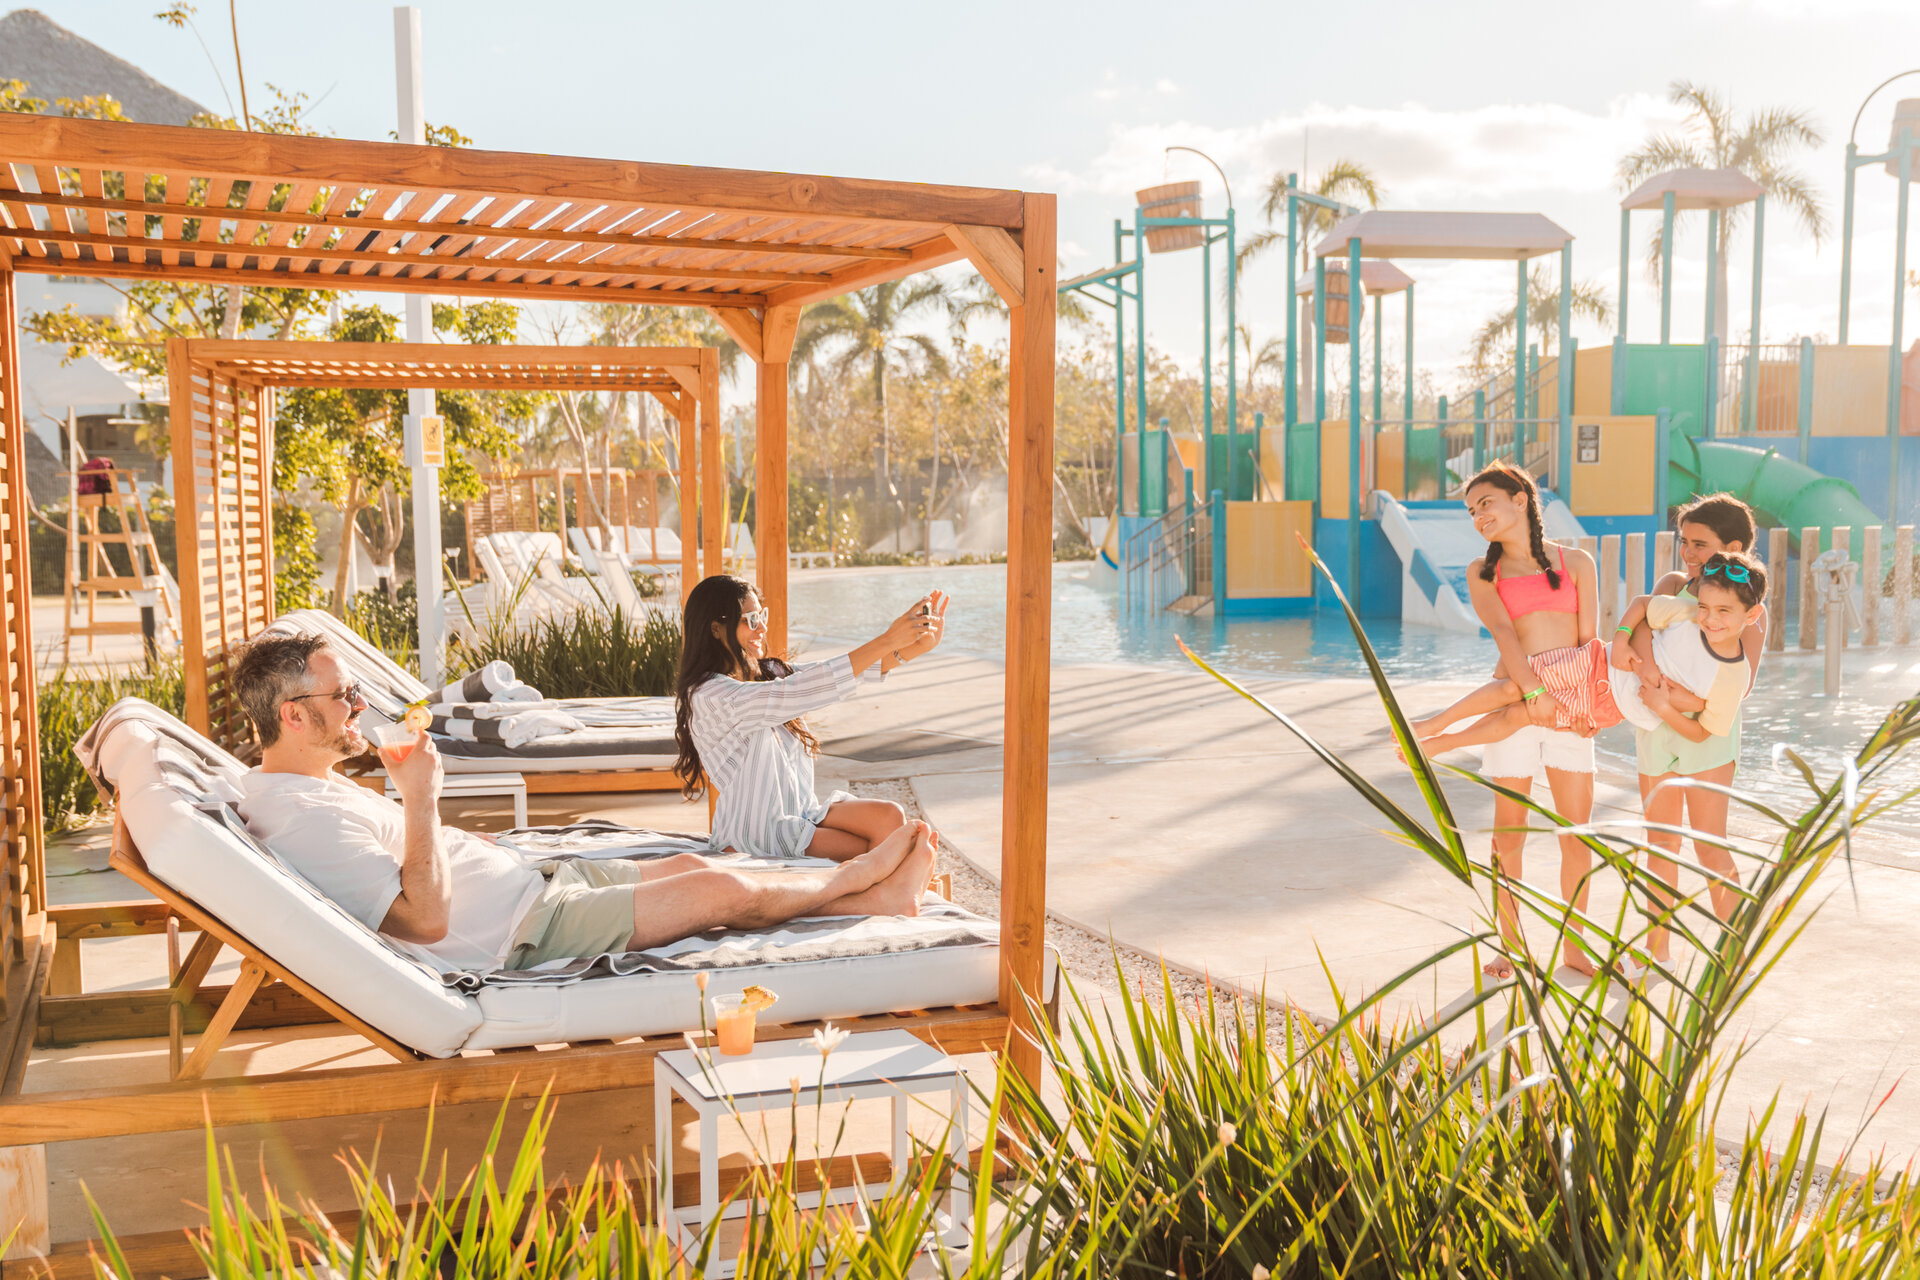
{"x": 624, "y": 744}
{"x": 596, "y": 1024}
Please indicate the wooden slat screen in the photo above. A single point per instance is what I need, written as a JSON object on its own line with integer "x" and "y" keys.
{"x": 24, "y": 888}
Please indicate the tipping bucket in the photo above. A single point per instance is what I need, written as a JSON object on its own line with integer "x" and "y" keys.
{"x": 1337, "y": 330}
{"x": 1171, "y": 200}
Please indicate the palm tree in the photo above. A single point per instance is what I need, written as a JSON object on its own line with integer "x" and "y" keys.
{"x": 1493, "y": 341}
{"x": 1344, "y": 180}
{"x": 870, "y": 328}
{"x": 1756, "y": 146}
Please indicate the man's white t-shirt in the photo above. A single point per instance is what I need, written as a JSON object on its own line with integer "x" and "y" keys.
{"x": 350, "y": 842}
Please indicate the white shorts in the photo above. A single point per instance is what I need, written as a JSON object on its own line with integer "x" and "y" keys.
{"x": 1533, "y": 749}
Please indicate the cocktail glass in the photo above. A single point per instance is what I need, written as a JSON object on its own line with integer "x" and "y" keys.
{"x": 396, "y": 741}
{"x": 733, "y": 1020}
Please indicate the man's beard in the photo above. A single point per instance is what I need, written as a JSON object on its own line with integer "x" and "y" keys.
{"x": 347, "y": 744}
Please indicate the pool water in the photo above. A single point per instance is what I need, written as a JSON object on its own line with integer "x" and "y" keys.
{"x": 1090, "y": 626}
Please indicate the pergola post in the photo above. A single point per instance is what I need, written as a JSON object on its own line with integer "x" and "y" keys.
{"x": 770, "y": 468}
{"x": 1023, "y": 841}
{"x": 686, "y": 413}
{"x": 714, "y": 508}
{"x": 25, "y": 869}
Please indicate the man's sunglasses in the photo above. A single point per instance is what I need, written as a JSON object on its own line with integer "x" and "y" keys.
{"x": 1734, "y": 572}
{"x": 350, "y": 695}
{"x": 757, "y": 619}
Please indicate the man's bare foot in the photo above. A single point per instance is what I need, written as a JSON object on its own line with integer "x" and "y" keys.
{"x": 900, "y": 893}
{"x": 1499, "y": 968}
{"x": 864, "y": 871}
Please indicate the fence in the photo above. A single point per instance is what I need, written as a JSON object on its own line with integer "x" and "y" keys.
{"x": 1756, "y": 389}
{"x": 1169, "y": 559}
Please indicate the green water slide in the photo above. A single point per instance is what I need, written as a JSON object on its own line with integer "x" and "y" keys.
{"x": 1780, "y": 490}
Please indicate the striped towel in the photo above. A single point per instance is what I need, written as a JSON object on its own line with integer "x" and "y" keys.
{"x": 1581, "y": 682}
{"x": 494, "y": 682}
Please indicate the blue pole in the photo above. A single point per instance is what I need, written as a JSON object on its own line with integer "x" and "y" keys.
{"x": 1713, "y": 271}
{"x": 1617, "y": 376}
{"x": 1563, "y": 464}
{"x": 1319, "y": 379}
{"x": 1293, "y": 311}
{"x": 1408, "y": 357}
{"x": 1713, "y": 386}
{"x": 1626, "y": 250}
{"x": 1662, "y": 429}
{"x": 1218, "y": 506}
{"x": 1440, "y": 412}
{"x": 1846, "y": 247}
{"x": 1233, "y": 367}
{"x": 1140, "y": 358}
{"x": 1188, "y": 473}
{"x": 1119, "y": 377}
{"x": 1259, "y": 444}
{"x": 1206, "y": 356}
{"x": 1356, "y": 304}
{"x": 1520, "y": 368}
{"x": 1479, "y": 431}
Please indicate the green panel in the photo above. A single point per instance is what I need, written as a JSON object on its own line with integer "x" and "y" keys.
{"x": 1244, "y": 484}
{"x": 1155, "y": 474}
{"x": 1303, "y": 472}
{"x": 1673, "y": 378}
{"x": 1423, "y": 464}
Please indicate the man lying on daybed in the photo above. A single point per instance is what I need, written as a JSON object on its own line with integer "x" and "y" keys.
{"x": 476, "y": 904}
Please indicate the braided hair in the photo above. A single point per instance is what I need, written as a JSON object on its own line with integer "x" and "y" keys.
{"x": 1511, "y": 480}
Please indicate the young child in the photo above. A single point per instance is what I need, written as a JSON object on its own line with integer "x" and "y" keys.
{"x": 1696, "y": 643}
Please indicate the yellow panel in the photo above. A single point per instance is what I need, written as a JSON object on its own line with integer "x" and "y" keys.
{"x": 1390, "y": 464}
{"x": 1333, "y": 469}
{"x": 1189, "y": 449}
{"x": 1592, "y": 382}
{"x": 1617, "y": 479}
{"x": 1849, "y": 391}
{"x": 1264, "y": 555}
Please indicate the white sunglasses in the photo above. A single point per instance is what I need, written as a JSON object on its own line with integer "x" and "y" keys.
{"x": 757, "y": 619}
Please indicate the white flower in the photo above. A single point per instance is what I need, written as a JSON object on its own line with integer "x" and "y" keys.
{"x": 826, "y": 1039}
{"x": 793, "y": 1083}
{"x": 1227, "y": 1133}
{"x": 700, "y": 980}
{"x": 1260, "y": 1272}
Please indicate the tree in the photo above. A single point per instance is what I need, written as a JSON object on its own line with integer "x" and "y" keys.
{"x": 1757, "y": 146}
{"x": 870, "y": 329}
{"x": 348, "y": 442}
{"x": 1493, "y": 341}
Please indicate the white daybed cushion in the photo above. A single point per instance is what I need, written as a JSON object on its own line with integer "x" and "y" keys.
{"x": 149, "y": 758}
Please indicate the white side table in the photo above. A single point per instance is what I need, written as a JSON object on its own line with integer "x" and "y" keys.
{"x": 481, "y": 784}
{"x": 870, "y": 1064}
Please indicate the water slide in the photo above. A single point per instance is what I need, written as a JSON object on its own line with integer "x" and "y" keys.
{"x": 1781, "y": 491}
{"x": 1436, "y": 542}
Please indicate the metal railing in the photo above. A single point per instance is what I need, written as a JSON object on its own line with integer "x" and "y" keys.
{"x": 1167, "y": 559}
{"x": 1756, "y": 389}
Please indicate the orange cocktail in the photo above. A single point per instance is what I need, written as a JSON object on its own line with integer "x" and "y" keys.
{"x": 395, "y": 741}
{"x": 733, "y": 1018}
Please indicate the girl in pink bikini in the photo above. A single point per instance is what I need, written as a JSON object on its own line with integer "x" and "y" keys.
{"x": 1550, "y": 692}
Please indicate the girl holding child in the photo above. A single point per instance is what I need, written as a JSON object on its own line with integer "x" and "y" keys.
{"x": 1681, "y": 662}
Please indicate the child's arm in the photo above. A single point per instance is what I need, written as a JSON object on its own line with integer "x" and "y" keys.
{"x": 1621, "y": 650}
{"x": 1659, "y": 700}
{"x": 1542, "y": 707}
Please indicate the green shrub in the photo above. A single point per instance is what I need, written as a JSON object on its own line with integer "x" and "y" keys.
{"x": 390, "y": 622}
{"x": 590, "y": 653}
{"x": 70, "y": 701}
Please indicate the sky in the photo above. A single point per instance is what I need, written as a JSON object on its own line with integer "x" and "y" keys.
{"x": 1466, "y": 105}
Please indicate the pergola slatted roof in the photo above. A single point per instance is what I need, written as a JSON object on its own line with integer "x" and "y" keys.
{"x": 279, "y": 210}
{"x": 475, "y": 368}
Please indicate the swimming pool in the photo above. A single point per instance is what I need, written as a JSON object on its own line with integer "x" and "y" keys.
{"x": 1089, "y": 625}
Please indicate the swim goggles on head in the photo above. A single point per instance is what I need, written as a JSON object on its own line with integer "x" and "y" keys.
{"x": 1734, "y": 572}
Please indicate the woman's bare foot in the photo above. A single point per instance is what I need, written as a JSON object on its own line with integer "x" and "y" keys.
{"x": 1427, "y": 726}
{"x": 1499, "y": 968}
{"x": 868, "y": 869}
{"x": 900, "y": 893}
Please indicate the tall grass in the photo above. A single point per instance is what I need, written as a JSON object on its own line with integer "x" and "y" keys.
{"x": 70, "y": 701}
{"x": 603, "y": 652}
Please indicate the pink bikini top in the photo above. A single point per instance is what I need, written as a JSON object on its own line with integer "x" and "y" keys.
{"x": 1530, "y": 592}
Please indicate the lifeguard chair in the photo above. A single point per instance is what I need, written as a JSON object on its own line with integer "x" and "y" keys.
{"x": 94, "y": 488}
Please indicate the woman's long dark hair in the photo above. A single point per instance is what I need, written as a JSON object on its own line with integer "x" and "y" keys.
{"x": 1510, "y": 479}
{"x": 722, "y": 599}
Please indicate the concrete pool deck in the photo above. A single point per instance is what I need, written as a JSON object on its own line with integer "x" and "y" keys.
{"x": 1184, "y": 821}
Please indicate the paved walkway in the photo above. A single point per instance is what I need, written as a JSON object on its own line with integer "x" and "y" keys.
{"x": 1185, "y": 821}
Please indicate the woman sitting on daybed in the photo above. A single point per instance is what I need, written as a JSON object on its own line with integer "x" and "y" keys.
{"x": 738, "y": 721}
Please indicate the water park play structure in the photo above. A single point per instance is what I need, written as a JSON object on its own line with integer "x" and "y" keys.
{"x": 1819, "y": 438}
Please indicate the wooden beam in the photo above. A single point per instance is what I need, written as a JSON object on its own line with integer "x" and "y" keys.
{"x": 743, "y": 327}
{"x": 715, "y": 511}
{"x": 136, "y": 1015}
{"x": 778, "y": 329}
{"x": 687, "y": 417}
{"x": 147, "y": 148}
{"x": 997, "y": 256}
{"x": 395, "y": 257}
{"x": 475, "y": 230}
{"x": 1023, "y": 821}
{"x": 439, "y": 285}
{"x": 252, "y": 974}
{"x": 257, "y": 358}
{"x": 26, "y": 986}
{"x": 187, "y": 1105}
{"x": 24, "y": 1221}
{"x": 933, "y": 253}
{"x": 770, "y": 497}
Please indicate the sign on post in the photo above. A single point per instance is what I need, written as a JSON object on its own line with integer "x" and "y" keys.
{"x": 425, "y": 440}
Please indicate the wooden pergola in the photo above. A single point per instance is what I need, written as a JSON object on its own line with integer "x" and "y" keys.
{"x": 222, "y": 420}
{"x": 225, "y": 208}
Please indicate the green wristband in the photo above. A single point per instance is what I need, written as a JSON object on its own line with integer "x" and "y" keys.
{"x": 1627, "y": 629}
{"x": 1529, "y": 697}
